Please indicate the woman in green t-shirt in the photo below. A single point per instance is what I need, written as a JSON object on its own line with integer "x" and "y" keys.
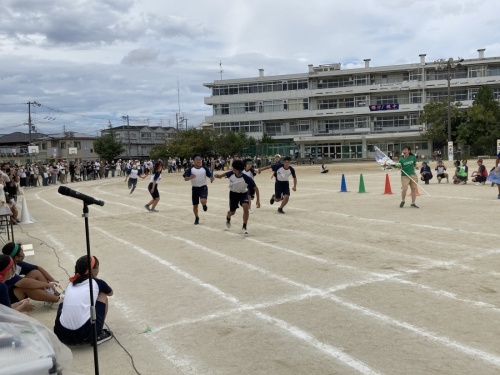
{"x": 408, "y": 161}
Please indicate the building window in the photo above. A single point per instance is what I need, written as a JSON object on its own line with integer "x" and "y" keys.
{"x": 78, "y": 145}
{"x": 44, "y": 146}
{"x": 62, "y": 145}
{"x": 159, "y": 136}
{"x": 145, "y": 135}
{"x": 54, "y": 143}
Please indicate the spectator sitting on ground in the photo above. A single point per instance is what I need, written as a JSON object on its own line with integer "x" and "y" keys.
{"x": 13, "y": 208}
{"x": 425, "y": 173}
{"x": 36, "y": 284}
{"x": 323, "y": 169}
{"x": 73, "y": 325}
{"x": 441, "y": 172}
{"x": 460, "y": 176}
{"x": 480, "y": 176}
{"x": 6, "y": 273}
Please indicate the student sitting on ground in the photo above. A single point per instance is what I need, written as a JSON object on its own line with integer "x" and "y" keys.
{"x": 441, "y": 172}
{"x": 6, "y": 273}
{"x": 323, "y": 169}
{"x": 36, "y": 284}
{"x": 480, "y": 176}
{"x": 425, "y": 173}
{"x": 72, "y": 325}
{"x": 460, "y": 176}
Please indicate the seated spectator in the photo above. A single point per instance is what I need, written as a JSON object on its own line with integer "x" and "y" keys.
{"x": 441, "y": 172}
{"x": 13, "y": 208}
{"x": 73, "y": 325}
{"x": 460, "y": 176}
{"x": 6, "y": 273}
{"x": 323, "y": 169}
{"x": 425, "y": 173}
{"x": 36, "y": 284}
{"x": 480, "y": 176}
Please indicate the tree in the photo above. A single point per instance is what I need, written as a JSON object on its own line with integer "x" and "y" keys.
{"x": 107, "y": 147}
{"x": 481, "y": 128}
{"x": 435, "y": 116}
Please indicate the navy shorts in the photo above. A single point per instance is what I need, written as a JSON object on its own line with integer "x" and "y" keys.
{"x": 281, "y": 188}
{"x": 155, "y": 194}
{"x": 199, "y": 192}
{"x": 82, "y": 335}
{"x": 236, "y": 199}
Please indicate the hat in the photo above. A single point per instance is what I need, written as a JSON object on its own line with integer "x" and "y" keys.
{"x": 277, "y": 156}
{"x": 480, "y": 160}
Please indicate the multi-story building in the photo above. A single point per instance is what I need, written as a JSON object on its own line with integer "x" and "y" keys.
{"x": 344, "y": 113}
{"x": 139, "y": 140}
{"x": 72, "y": 146}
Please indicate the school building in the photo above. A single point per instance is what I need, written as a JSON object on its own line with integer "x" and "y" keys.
{"x": 344, "y": 113}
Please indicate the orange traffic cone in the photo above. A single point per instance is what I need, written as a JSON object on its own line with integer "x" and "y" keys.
{"x": 387, "y": 185}
{"x": 416, "y": 192}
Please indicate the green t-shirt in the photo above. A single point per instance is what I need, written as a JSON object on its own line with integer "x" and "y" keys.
{"x": 408, "y": 165}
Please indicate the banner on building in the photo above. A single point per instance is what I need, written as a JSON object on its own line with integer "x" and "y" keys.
{"x": 384, "y": 107}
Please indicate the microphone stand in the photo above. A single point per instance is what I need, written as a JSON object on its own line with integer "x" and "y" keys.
{"x": 92, "y": 307}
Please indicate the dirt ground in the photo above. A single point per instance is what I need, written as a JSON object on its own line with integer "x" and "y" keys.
{"x": 343, "y": 283}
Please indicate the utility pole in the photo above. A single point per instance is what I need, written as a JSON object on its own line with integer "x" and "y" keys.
{"x": 30, "y": 125}
{"x": 449, "y": 65}
{"x": 128, "y": 134}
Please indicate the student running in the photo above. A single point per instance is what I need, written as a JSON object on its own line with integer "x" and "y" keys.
{"x": 198, "y": 174}
{"x": 282, "y": 172}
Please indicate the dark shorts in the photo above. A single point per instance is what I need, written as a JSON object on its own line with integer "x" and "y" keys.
{"x": 132, "y": 182}
{"x": 12, "y": 296}
{"x": 441, "y": 175}
{"x": 197, "y": 193}
{"x": 480, "y": 178}
{"x": 462, "y": 178}
{"x": 236, "y": 199}
{"x": 281, "y": 188}
{"x": 82, "y": 335}
{"x": 155, "y": 194}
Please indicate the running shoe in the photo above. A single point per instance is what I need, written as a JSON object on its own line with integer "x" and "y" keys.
{"x": 154, "y": 210}
{"x": 105, "y": 335}
{"x": 244, "y": 230}
{"x": 402, "y": 204}
{"x": 147, "y": 207}
{"x": 280, "y": 211}
{"x": 272, "y": 200}
{"x": 197, "y": 221}
{"x": 414, "y": 205}
{"x": 228, "y": 222}
{"x": 205, "y": 208}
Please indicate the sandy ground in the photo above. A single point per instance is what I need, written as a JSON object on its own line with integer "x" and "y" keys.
{"x": 343, "y": 283}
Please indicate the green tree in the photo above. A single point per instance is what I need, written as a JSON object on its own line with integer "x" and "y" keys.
{"x": 481, "y": 128}
{"x": 107, "y": 147}
{"x": 435, "y": 116}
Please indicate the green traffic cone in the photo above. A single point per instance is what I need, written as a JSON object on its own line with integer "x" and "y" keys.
{"x": 361, "y": 184}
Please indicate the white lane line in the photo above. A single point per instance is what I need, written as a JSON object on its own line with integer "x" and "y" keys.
{"x": 294, "y": 331}
{"x": 488, "y": 357}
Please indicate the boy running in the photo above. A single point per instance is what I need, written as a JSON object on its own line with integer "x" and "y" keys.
{"x": 282, "y": 172}
{"x": 250, "y": 172}
{"x": 238, "y": 192}
{"x": 198, "y": 174}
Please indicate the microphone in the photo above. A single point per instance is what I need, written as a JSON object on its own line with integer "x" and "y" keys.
{"x": 76, "y": 194}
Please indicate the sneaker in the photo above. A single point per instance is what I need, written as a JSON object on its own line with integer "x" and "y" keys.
{"x": 147, "y": 207}
{"x": 401, "y": 205}
{"x": 244, "y": 230}
{"x": 414, "y": 205}
{"x": 228, "y": 222}
{"x": 154, "y": 210}
{"x": 250, "y": 211}
{"x": 272, "y": 200}
{"x": 205, "y": 208}
{"x": 197, "y": 221}
{"x": 105, "y": 335}
{"x": 280, "y": 211}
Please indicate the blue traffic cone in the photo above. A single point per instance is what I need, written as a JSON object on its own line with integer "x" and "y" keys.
{"x": 343, "y": 187}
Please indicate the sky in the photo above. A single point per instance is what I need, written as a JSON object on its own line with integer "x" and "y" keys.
{"x": 89, "y": 63}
